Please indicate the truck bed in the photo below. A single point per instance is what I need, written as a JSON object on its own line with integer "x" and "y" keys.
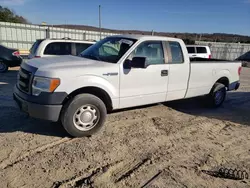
{"x": 205, "y": 72}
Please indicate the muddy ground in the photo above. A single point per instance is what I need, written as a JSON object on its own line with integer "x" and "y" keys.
{"x": 164, "y": 145}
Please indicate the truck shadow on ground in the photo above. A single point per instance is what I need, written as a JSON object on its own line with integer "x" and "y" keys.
{"x": 12, "y": 120}
{"x": 236, "y": 108}
{"x": 9, "y": 77}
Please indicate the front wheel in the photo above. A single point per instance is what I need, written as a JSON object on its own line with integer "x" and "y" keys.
{"x": 3, "y": 67}
{"x": 217, "y": 95}
{"x": 83, "y": 115}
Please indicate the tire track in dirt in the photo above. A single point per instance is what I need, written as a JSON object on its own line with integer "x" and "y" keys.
{"x": 129, "y": 169}
{"x": 143, "y": 115}
{"x": 121, "y": 171}
{"x": 151, "y": 180}
{"x": 8, "y": 163}
{"x": 82, "y": 179}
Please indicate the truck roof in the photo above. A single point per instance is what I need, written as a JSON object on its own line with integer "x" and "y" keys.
{"x": 147, "y": 37}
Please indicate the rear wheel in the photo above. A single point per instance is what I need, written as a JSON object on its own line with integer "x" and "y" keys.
{"x": 3, "y": 67}
{"x": 84, "y": 115}
{"x": 217, "y": 95}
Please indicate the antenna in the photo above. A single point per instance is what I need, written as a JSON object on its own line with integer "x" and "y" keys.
{"x": 100, "y": 23}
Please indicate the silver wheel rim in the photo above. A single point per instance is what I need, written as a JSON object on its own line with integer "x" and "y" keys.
{"x": 219, "y": 95}
{"x": 2, "y": 66}
{"x": 86, "y": 117}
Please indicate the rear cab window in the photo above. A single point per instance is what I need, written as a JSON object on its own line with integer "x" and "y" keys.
{"x": 58, "y": 48}
{"x": 176, "y": 53}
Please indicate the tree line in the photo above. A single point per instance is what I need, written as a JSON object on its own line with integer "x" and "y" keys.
{"x": 7, "y": 15}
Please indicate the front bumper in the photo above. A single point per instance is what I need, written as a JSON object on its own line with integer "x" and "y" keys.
{"x": 50, "y": 112}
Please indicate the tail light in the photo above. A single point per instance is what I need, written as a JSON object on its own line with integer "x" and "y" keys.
{"x": 210, "y": 56}
{"x": 16, "y": 53}
{"x": 239, "y": 70}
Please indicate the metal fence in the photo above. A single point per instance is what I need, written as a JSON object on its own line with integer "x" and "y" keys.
{"x": 22, "y": 36}
{"x": 229, "y": 51}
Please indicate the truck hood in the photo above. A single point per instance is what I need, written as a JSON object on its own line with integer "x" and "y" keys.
{"x": 67, "y": 65}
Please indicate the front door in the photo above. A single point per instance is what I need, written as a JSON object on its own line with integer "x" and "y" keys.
{"x": 140, "y": 86}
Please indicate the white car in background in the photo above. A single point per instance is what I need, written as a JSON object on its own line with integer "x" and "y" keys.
{"x": 54, "y": 47}
{"x": 195, "y": 51}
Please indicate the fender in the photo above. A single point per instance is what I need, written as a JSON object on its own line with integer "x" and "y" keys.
{"x": 220, "y": 74}
{"x": 70, "y": 85}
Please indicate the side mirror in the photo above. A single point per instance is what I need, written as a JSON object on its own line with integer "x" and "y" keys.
{"x": 138, "y": 62}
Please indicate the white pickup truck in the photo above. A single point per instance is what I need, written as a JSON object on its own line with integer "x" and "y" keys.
{"x": 116, "y": 73}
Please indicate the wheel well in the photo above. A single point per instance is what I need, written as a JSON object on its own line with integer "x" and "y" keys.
{"x": 100, "y": 93}
{"x": 224, "y": 80}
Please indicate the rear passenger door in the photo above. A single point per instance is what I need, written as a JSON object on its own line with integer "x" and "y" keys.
{"x": 178, "y": 70}
{"x": 58, "y": 48}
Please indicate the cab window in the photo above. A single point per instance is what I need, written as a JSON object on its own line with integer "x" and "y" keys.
{"x": 151, "y": 50}
{"x": 176, "y": 53}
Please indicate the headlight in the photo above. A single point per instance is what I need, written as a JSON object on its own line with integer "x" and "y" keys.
{"x": 41, "y": 84}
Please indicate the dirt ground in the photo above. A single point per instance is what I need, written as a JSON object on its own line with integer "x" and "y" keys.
{"x": 177, "y": 144}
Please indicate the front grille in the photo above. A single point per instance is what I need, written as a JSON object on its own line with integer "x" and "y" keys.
{"x": 24, "y": 80}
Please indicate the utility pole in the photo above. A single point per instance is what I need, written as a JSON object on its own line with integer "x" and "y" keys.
{"x": 100, "y": 23}
{"x": 200, "y": 37}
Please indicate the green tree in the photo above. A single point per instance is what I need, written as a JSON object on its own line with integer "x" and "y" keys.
{"x": 6, "y": 15}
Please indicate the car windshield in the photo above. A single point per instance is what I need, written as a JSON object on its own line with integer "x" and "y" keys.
{"x": 110, "y": 49}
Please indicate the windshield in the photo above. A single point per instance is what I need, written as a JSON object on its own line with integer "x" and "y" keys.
{"x": 110, "y": 49}
{"x": 245, "y": 56}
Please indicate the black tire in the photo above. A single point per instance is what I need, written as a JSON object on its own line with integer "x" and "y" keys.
{"x": 217, "y": 95}
{"x": 88, "y": 103}
{"x": 3, "y": 67}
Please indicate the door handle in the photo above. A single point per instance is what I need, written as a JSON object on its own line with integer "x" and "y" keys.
{"x": 164, "y": 73}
